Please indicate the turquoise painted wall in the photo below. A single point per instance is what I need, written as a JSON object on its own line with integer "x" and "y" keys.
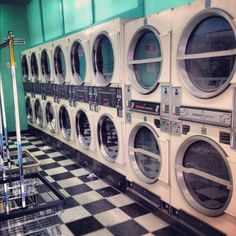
{"x": 13, "y": 18}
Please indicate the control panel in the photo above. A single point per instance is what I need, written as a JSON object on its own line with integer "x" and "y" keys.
{"x": 37, "y": 88}
{"x": 165, "y": 100}
{"x": 206, "y": 116}
{"x": 27, "y": 87}
{"x": 145, "y": 107}
{"x": 49, "y": 91}
{"x": 176, "y": 102}
{"x": 63, "y": 91}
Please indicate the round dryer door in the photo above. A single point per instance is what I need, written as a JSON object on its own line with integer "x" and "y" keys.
{"x": 38, "y": 113}
{"x": 25, "y": 68}
{"x": 204, "y": 175}
{"x": 45, "y": 65}
{"x": 83, "y": 129}
{"x": 60, "y": 64}
{"x": 144, "y": 153}
{"x": 34, "y": 66}
{"x": 207, "y": 53}
{"x": 103, "y": 59}
{"x": 29, "y": 110}
{"x": 65, "y": 125}
{"x": 108, "y": 138}
{"x": 50, "y": 117}
{"x": 78, "y": 62}
{"x": 144, "y": 60}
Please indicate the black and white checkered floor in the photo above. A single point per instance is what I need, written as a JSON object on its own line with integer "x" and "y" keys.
{"x": 92, "y": 206}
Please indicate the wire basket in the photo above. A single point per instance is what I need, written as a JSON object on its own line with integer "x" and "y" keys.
{"x": 44, "y": 204}
{"x": 30, "y": 163}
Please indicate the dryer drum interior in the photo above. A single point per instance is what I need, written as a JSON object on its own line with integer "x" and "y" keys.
{"x": 50, "y": 117}
{"x": 34, "y": 66}
{"x": 29, "y": 110}
{"x": 78, "y": 61}
{"x": 144, "y": 153}
{"x": 206, "y": 54}
{"x": 103, "y": 58}
{"x": 25, "y": 68}
{"x": 65, "y": 125}
{"x": 108, "y": 138}
{"x": 60, "y": 64}
{"x": 45, "y": 64}
{"x": 83, "y": 129}
{"x": 144, "y": 60}
{"x": 204, "y": 176}
{"x": 38, "y": 113}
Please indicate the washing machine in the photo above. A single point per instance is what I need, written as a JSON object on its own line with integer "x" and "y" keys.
{"x": 61, "y": 61}
{"x": 51, "y": 119}
{"x": 84, "y": 128}
{"x": 80, "y": 58}
{"x": 65, "y": 122}
{"x": 147, "y": 57}
{"x": 39, "y": 114}
{"x": 109, "y": 132}
{"x": 203, "y": 54}
{"x": 147, "y": 149}
{"x": 29, "y": 105}
{"x": 46, "y": 61}
{"x": 203, "y": 174}
{"x": 35, "y": 64}
{"x": 107, "y": 53}
{"x": 25, "y": 66}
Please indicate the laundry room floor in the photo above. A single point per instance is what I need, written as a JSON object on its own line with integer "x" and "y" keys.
{"x": 92, "y": 207}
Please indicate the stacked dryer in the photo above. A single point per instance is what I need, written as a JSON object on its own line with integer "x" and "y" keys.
{"x": 29, "y": 100}
{"x": 62, "y": 79}
{"x": 48, "y": 85}
{"x": 203, "y": 155}
{"x": 83, "y": 117}
{"x": 147, "y": 77}
{"x": 107, "y": 57}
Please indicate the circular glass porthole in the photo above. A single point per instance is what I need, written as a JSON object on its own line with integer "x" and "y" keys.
{"x": 206, "y": 53}
{"x": 103, "y": 59}
{"x": 144, "y": 60}
{"x": 38, "y": 113}
{"x": 60, "y": 64}
{"x": 108, "y": 138}
{"x": 78, "y": 62}
{"x": 144, "y": 153}
{"x": 29, "y": 110}
{"x": 65, "y": 125}
{"x": 204, "y": 175}
{"x": 34, "y": 66}
{"x": 50, "y": 117}
{"x": 83, "y": 129}
{"x": 45, "y": 65}
{"x": 25, "y": 68}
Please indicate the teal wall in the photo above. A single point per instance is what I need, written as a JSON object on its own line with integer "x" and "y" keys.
{"x": 13, "y": 18}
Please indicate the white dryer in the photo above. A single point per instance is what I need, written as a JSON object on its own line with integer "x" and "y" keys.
{"x": 147, "y": 56}
{"x": 35, "y": 64}
{"x": 46, "y": 61}
{"x": 61, "y": 61}
{"x": 203, "y": 174}
{"x": 147, "y": 149}
{"x": 80, "y": 58}
{"x": 107, "y": 53}
{"x": 51, "y": 119}
{"x": 109, "y": 131}
{"x": 29, "y": 105}
{"x": 25, "y": 66}
{"x": 203, "y": 54}
{"x": 39, "y": 114}
{"x": 65, "y": 121}
{"x": 85, "y": 135}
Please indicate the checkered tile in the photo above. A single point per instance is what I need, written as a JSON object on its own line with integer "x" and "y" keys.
{"x": 92, "y": 207}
